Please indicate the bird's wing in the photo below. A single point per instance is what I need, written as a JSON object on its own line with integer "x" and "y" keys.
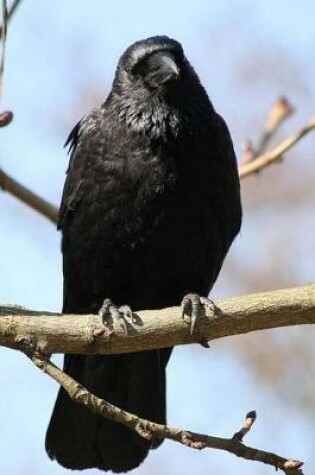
{"x": 74, "y": 183}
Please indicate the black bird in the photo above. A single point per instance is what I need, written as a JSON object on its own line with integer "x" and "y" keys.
{"x": 150, "y": 207}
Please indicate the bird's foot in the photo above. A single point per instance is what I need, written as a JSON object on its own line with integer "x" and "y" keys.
{"x": 195, "y": 308}
{"x": 113, "y": 316}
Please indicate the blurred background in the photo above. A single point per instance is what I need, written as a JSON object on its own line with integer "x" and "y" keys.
{"x": 61, "y": 58}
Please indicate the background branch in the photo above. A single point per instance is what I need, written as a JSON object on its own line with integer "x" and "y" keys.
{"x": 6, "y": 116}
{"x": 28, "y": 197}
{"x": 85, "y": 334}
{"x": 4, "y": 40}
{"x": 149, "y": 430}
{"x": 268, "y": 158}
{"x": 281, "y": 110}
{"x": 10, "y": 13}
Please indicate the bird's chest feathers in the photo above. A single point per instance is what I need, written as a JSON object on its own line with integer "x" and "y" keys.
{"x": 147, "y": 170}
{"x": 152, "y": 118}
{"x": 148, "y": 178}
{"x": 148, "y": 151}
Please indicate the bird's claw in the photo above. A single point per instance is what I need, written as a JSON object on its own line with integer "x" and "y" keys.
{"x": 194, "y": 307}
{"x": 126, "y": 311}
{"x": 112, "y": 315}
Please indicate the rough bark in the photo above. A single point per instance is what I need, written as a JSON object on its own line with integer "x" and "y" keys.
{"x": 85, "y": 334}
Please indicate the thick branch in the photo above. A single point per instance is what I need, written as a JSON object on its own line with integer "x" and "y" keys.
{"x": 150, "y": 430}
{"x": 85, "y": 334}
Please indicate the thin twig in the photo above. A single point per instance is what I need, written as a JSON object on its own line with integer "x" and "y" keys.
{"x": 248, "y": 424}
{"x": 249, "y": 152}
{"x": 6, "y": 118}
{"x": 271, "y": 157}
{"x": 11, "y": 12}
{"x": 281, "y": 110}
{"x": 4, "y": 41}
{"x": 149, "y": 430}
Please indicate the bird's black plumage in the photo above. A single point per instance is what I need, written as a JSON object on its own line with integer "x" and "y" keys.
{"x": 150, "y": 207}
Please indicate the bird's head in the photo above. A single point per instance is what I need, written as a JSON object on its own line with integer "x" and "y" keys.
{"x": 154, "y": 64}
{"x": 156, "y": 90}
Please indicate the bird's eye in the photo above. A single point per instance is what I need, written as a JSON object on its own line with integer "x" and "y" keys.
{"x": 139, "y": 68}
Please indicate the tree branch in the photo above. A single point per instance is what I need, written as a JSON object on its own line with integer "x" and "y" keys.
{"x": 10, "y": 13}
{"x": 6, "y": 118}
{"x": 4, "y": 41}
{"x": 281, "y": 110}
{"x": 85, "y": 334}
{"x": 149, "y": 430}
{"x": 28, "y": 197}
{"x": 268, "y": 158}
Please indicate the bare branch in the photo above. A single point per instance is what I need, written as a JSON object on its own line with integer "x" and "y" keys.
{"x": 10, "y": 13}
{"x": 150, "y": 430}
{"x": 6, "y": 118}
{"x": 248, "y": 424}
{"x": 249, "y": 152}
{"x": 28, "y": 197}
{"x": 281, "y": 110}
{"x": 4, "y": 41}
{"x": 271, "y": 157}
{"x": 85, "y": 334}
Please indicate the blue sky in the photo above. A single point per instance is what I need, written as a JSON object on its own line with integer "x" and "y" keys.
{"x": 59, "y": 53}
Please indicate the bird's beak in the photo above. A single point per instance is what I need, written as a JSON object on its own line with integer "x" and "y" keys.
{"x": 163, "y": 68}
{"x": 168, "y": 68}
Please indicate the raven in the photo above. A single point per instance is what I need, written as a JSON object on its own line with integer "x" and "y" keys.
{"x": 150, "y": 207}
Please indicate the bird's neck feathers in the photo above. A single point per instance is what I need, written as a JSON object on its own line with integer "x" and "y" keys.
{"x": 159, "y": 116}
{"x": 148, "y": 115}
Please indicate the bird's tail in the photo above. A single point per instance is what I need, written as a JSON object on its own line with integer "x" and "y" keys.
{"x": 78, "y": 439}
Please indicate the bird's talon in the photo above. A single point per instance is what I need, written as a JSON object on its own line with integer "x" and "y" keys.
{"x": 209, "y": 304}
{"x": 112, "y": 315}
{"x": 193, "y": 320}
{"x": 126, "y": 311}
{"x": 194, "y": 307}
{"x": 105, "y": 311}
